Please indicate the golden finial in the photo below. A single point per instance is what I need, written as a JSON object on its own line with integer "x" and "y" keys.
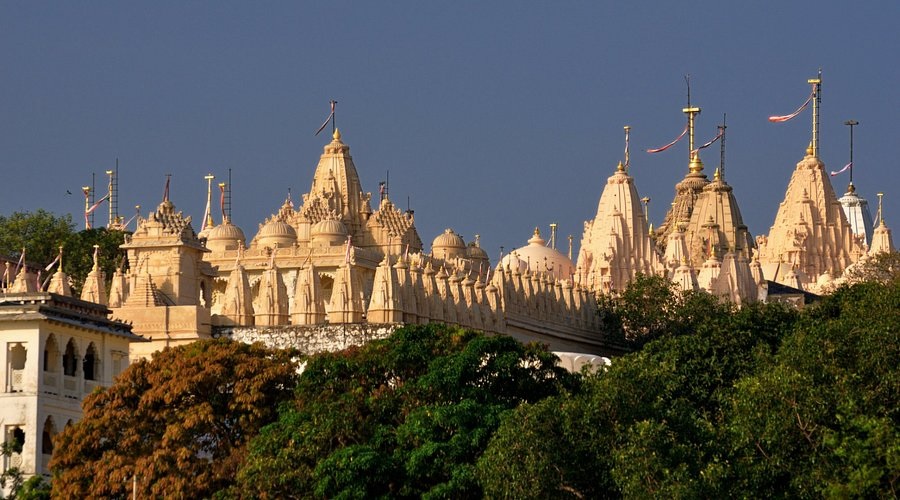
{"x": 537, "y": 232}
{"x": 621, "y": 167}
{"x": 696, "y": 164}
{"x": 337, "y": 134}
{"x": 716, "y": 174}
{"x": 809, "y": 149}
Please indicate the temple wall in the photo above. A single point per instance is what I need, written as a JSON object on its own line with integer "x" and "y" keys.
{"x": 309, "y": 339}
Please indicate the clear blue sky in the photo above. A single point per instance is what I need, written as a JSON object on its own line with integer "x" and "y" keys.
{"x": 492, "y": 117}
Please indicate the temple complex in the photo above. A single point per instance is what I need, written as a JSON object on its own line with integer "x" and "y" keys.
{"x": 335, "y": 261}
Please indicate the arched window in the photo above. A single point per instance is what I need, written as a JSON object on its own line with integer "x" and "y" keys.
{"x": 16, "y": 360}
{"x": 16, "y": 440}
{"x": 70, "y": 359}
{"x": 91, "y": 366}
{"x": 51, "y": 355}
{"x": 47, "y": 436}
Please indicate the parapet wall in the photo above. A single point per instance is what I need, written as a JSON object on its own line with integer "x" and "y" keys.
{"x": 309, "y": 339}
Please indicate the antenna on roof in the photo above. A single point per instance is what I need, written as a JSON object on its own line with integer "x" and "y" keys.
{"x": 722, "y": 149}
{"x": 228, "y": 196}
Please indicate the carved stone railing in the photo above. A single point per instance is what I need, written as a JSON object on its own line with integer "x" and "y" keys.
{"x": 17, "y": 381}
{"x": 70, "y": 387}
{"x": 51, "y": 383}
{"x": 89, "y": 386}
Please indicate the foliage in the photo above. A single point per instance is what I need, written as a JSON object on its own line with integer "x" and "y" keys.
{"x": 33, "y": 488}
{"x": 41, "y": 234}
{"x": 882, "y": 268}
{"x": 757, "y": 402}
{"x": 180, "y": 422}
{"x": 651, "y": 307}
{"x": 404, "y": 417}
{"x": 825, "y": 418}
{"x": 79, "y": 254}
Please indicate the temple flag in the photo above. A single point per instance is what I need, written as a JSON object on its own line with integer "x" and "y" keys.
{"x": 222, "y": 200}
{"x": 669, "y": 145}
{"x": 330, "y": 116}
{"x": 841, "y": 171}
{"x": 710, "y": 143}
{"x": 784, "y": 118}
{"x": 50, "y": 265}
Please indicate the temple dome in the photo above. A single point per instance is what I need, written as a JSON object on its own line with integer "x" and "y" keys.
{"x": 540, "y": 258}
{"x": 475, "y": 252}
{"x": 328, "y": 231}
{"x": 274, "y": 233}
{"x": 225, "y": 236}
{"x": 448, "y": 245}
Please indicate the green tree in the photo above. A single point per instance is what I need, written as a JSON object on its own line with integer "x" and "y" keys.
{"x": 79, "y": 254}
{"x": 404, "y": 417}
{"x": 649, "y": 425}
{"x": 824, "y": 418}
{"x": 41, "y": 234}
{"x": 882, "y": 268}
{"x": 179, "y": 422}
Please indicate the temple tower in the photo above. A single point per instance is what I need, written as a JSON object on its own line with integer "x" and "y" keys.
{"x": 616, "y": 244}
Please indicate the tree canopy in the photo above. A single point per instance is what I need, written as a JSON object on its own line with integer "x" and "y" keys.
{"x": 404, "y": 417}
{"x": 757, "y": 402}
{"x": 41, "y": 233}
{"x": 179, "y": 422}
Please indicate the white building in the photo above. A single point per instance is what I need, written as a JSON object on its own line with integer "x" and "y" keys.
{"x": 55, "y": 351}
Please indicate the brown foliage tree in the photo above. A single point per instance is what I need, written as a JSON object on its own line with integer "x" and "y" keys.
{"x": 180, "y": 422}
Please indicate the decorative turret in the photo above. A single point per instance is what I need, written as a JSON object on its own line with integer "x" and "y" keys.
{"x": 386, "y": 305}
{"x": 271, "y": 305}
{"x": 309, "y": 302}
{"x": 94, "y": 288}
{"x": 346, "y": 297}
{"x": 118, "y": 289}
{"x": 237, "y": 305}
{"x": 59, "y": 283}
{"x": 881, "y": 238}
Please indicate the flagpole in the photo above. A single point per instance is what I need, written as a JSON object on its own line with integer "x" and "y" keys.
{"x": 817, "y": 101}
{"x": 333, "y": 126}
{"x": 627, "y": 153}
{"x": 851, "y": 124}
{"x": 690, "y": 112}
